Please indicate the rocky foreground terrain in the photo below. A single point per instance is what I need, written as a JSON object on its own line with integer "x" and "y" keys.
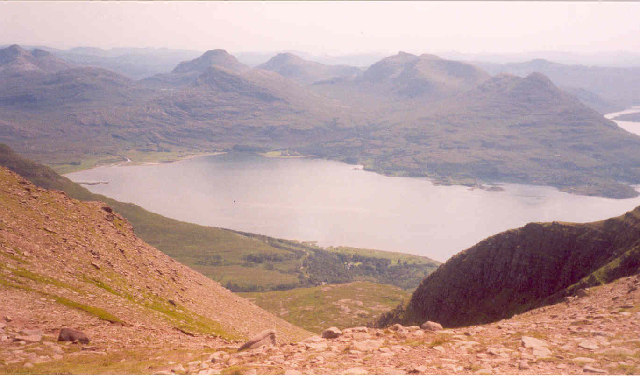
{"x": 596, "y": 333}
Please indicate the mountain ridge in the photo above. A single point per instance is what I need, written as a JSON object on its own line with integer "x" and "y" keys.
{"x": 525, "y": 268}
{"x": 305, "y": 71}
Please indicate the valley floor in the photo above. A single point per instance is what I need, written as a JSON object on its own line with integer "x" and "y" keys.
{"x": 596, "y": 333}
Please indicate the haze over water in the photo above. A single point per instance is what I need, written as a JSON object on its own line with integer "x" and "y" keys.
{"x": 337, "y": 204}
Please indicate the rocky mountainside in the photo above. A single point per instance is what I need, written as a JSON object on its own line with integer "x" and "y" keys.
{"x": 508, "y": 128}
{"x": 524, "y": 268}
{"x": 426, "y": 76}
{"x": 404, "y": 80}
{"x": 307, "y": 72}
{"x": 83, "y": 263}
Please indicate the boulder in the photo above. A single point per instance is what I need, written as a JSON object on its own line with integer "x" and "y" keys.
{"x": 265, "y": 338}
{"x": 72, "y": 335}
{"x": 431, "y": 326}
{"x": 589, "y": 344}
{"x": 332, "y": 332}
{"x": 532, "y": 343}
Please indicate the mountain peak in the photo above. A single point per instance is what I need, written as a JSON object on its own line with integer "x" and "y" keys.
{"x": 216, "y": 53}
{"x": 430, "y": 57}
{"x": 283, "y": 58}
{"x": 304, "y": 71}
{"x": 539, "y": 77}
{"x": 11, "y": 53}
{"x": 16, "y": 59}
{"x": 218, "y": 57}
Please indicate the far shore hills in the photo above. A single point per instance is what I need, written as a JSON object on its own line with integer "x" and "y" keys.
{"x": 407, "y": 115}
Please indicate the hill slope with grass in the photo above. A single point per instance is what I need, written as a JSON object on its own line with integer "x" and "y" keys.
{"x": 524, "y": 268}
{"x": 84, "y": 256}
{"x": 241, "y": 261}
{"x": 344, "y": 305}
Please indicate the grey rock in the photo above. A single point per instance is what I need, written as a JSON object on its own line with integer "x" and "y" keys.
{"x": 72, "y": 335}
{"x": 265, "y": 338}
{"x": 431, "y": 326}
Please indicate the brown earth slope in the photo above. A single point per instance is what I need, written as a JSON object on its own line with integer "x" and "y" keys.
{"x": 69, "y": 263}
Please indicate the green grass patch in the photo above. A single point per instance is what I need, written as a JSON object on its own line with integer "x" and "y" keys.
{"x": 187, "y": 321}
{"x": 341, "y": 305}
{"x": 235, "y": 370}
{"x": 41, "y": 279}
{"x": 95, "y": 311}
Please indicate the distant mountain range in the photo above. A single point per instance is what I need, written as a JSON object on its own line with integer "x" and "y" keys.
{"x": 404, "y": 115}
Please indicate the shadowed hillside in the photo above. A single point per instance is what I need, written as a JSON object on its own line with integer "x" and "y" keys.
{"x": 521, "y": 269}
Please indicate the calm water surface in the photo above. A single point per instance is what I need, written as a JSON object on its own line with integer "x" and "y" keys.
{"x": 336, "y": 204}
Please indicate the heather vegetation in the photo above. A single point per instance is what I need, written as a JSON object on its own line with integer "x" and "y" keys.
{"x": 342, "y": 305}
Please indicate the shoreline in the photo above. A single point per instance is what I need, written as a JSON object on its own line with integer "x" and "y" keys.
{"x": 130, "y": 162}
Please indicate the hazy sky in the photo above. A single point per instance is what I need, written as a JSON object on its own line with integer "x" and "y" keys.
{"x": 327, "y": 27}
